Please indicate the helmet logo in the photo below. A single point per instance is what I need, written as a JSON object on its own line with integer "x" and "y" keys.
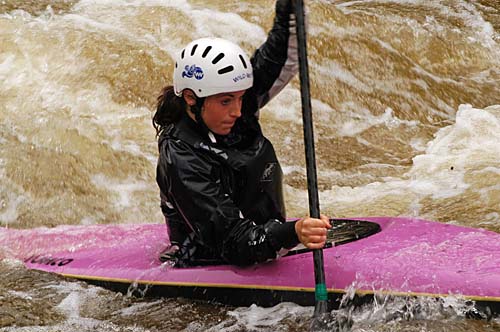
{"x": 190, "y": 71}
{"x": 242, "y": 76}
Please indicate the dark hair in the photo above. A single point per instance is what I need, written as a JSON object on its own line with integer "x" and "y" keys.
{"x": 169, "y": 109}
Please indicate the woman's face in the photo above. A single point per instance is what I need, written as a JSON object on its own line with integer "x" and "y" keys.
{"x": 221, "y": 111}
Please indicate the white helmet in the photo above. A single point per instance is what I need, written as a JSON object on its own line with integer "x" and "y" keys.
{"x": 209, "y": 66}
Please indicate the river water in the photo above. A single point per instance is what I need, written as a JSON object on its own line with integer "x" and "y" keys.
{"x": 406, "y": 101}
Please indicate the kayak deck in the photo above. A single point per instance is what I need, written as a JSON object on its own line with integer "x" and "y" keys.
{"x": 409, "y": 257}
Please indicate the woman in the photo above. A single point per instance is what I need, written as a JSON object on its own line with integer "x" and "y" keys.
{"x": 219, "y": 178}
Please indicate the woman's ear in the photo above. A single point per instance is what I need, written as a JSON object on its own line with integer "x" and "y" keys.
{"x": 189, "y": 97}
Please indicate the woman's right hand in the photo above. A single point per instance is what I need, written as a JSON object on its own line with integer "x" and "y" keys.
{"x": 312, "y": 232}
{"x": 284, "y": 8}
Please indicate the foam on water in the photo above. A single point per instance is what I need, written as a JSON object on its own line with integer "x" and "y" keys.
{"x": 9, "y": 207}
{"x": 12, "y": 263}
{"x": 256, "y": 318}
{"x": 133, "y": 309}
{"x": 203, "y": 22}
{"x": 123, "y": 190}
{"x": 287, "y": 107}
{"x": 468, "y": 147}
{"x": 471, "y": 144}
{"x": 70, "y": 306}
{"x": 350, "y": 120}
{"x": 11, "y": 197}
{"x": 368, "y": 120}
{"x": 465, "y": 11}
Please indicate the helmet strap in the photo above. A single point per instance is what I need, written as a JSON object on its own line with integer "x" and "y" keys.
{"x": 196, "y": 109}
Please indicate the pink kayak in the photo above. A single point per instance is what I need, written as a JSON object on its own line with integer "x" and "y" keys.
{"x": 408, "y": 257}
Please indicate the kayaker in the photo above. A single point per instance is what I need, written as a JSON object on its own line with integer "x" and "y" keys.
{"x": 220, "y": 180}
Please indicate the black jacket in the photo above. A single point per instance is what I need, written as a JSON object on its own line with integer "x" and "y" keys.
{"x": 221, "y": 195}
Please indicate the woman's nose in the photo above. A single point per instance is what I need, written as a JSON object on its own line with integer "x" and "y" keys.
{"x": 236, "y": 110}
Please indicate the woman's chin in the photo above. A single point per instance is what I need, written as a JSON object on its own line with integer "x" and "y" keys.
{"x": 223, "y": 131}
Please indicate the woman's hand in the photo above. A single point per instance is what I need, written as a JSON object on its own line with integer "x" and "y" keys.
{"x": 312, "y": 232}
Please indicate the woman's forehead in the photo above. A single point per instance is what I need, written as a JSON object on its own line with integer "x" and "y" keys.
{"x": 230, "y": 94}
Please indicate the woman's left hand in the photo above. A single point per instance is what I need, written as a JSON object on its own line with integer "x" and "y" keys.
{"x": 312, "y": 232}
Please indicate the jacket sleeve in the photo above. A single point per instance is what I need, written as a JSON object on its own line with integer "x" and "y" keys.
{"x": 195, "y": 189}
{"x": 275, "y": 63}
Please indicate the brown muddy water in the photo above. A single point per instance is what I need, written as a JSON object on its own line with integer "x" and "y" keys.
{"x": 406, "y": 100}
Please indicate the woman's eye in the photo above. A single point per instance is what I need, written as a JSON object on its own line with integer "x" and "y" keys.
{"x": 226, "y": 102}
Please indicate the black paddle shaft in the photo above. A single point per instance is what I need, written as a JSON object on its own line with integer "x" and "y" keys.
{"x": 312, "y": 180}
